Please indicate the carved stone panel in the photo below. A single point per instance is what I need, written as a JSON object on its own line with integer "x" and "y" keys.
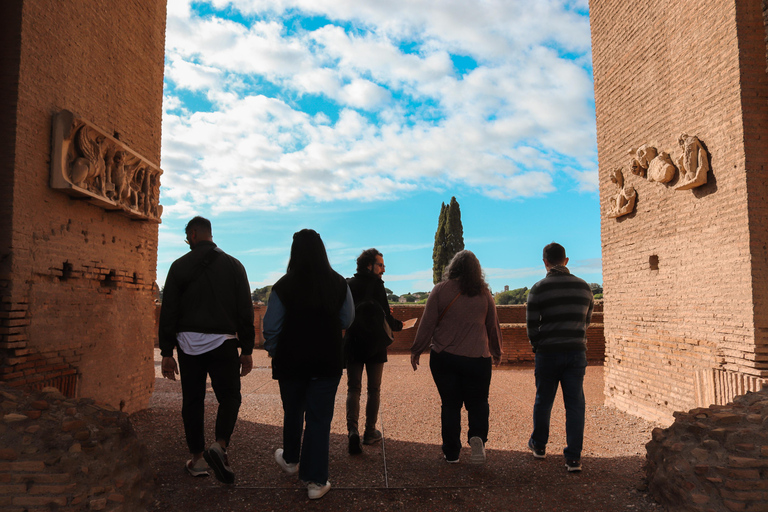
{"x": 88, "y": 163}
{"x": 624, "y": 202}
{"x": 693, "y": 164}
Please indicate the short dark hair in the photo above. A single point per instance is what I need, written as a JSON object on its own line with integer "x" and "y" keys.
{"x": 367, "y": 258}
{"x": 200, "y": 224}
{"x": 554, "y": 254}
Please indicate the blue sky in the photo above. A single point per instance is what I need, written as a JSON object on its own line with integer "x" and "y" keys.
{"x": 358, "y": 118}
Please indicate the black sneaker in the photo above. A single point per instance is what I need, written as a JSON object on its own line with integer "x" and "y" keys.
{"x": 538, "y": 453}
{"x": 216, "y": 457}
{"x": 354, "y": 444}
{"x": 573, "y": 465}
{"x": 372, "y": 437}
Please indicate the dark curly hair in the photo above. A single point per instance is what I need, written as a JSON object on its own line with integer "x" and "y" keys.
{"x": 367, "y": 258}
{"x": 465, "y": 267}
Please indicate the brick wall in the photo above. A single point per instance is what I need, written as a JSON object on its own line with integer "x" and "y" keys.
{"x": 663, "y": 68}
{"x": 515, "y": 343}
{"x": 78, "y": 307}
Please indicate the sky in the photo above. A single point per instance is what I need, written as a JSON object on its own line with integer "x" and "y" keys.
{"x": 358, "y": 118}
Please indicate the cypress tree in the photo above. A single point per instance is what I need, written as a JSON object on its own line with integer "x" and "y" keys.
{"x": 449, "y": 238}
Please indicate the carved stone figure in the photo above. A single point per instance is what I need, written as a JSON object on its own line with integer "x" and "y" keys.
{"x": 640, "y": 158}
{"x": 693, "y": 163}
{"x": 624, "y": 202}
{"x": 86, "y": 162}
{"x": 88, "y": 171}
{"x": 661, "y": 168}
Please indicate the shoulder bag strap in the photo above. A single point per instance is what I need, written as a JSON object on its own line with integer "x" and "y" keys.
{"x": 447, "y": 308}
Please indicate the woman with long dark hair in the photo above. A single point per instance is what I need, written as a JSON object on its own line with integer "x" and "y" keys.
{"x": 462, "y": 329}
{"x": 307, "y": 310}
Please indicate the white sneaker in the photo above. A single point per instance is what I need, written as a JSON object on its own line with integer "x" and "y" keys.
{"x": 317, "y": 491}
{"x": 199, "y": 468}
{"x": 291, "y": 469}
{"x": 478, "y": 451}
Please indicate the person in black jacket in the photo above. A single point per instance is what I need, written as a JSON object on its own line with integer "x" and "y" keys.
{"x": 307, "y": 310}
{"x": 206, "y": 315}
{"x": 367, "y": 343}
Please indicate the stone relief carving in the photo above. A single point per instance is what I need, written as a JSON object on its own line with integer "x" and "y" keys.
{"x": 661, "y": 168}
{"x": 646, "y": 160}
{"x": 86, "y": 162}
{"x": 624, "y": 202}
{"x": 693, "y": 164}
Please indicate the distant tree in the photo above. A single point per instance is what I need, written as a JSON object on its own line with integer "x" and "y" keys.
{"x": 449, "y": 238}
{"x": 392, "y": 297}
{"x": 598, "y": 296}
{"x": 409, "y": 297}
{"x": 518, "y": 296}
{"x": 261, "y": 294}
{"x": 388, "y": 291}
{"x": 596, "y": 288}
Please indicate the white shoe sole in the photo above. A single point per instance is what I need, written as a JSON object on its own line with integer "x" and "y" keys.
{"x": 478, "y": 451}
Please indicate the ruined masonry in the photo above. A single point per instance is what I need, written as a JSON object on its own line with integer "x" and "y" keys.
{"x": 681, "y": 96}
{"x": 82, "y": 88}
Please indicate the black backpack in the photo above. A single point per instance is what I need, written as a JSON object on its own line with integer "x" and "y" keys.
{"x": 369, "y": 333}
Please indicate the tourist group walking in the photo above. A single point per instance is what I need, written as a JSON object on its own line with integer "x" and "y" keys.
{"x": 318, "y": 324}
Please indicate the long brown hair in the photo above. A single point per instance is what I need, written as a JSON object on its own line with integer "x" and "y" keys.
{"x": 465, "y": 267}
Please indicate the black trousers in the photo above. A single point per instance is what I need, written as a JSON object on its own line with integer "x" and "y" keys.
{"x": 461, "y": 381}
{"x": 223, "y": 366}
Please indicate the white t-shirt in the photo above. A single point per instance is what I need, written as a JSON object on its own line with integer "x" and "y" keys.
{"x": 196, "y": 343}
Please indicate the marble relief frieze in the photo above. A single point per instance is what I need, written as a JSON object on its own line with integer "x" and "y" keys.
{"x": 88, "y": 163}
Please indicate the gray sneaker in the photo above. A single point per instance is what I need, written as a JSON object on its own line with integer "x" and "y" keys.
{"x": 573, "y": 465}
{"x": 538, "y": 453}
{"x": 216, "y": 457}
{"x": 372, "y": 437}
{"x": 478, "y": 450}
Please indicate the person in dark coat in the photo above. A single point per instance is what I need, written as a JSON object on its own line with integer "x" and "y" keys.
{"x": 306, "y": 312}
{"x": 207, "y": 315}
{"x": 367, "y": 341}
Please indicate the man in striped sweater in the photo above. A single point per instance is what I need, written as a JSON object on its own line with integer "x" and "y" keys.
{"x": 557, "y": 315}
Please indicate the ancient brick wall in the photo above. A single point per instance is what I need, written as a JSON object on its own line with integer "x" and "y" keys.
{"x": 514, "y": 343}
{"x": 78, "y": 312}
{"x": 678, "y": 272}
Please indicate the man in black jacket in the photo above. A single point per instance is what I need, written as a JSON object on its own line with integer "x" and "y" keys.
{"x": 367, "y": 343}
{"x": 206, "y": 315}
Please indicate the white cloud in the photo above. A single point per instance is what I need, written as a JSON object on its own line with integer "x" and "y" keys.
{"x": 340, "y": 113}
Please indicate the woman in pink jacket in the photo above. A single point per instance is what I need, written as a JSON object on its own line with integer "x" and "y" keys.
{"x": 461, "y": 328}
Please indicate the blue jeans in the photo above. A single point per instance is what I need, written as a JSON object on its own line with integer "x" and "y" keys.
{"x": 310, "y": 400}
{"x": 566, "y": 369}
{"x": 461, "y": 381}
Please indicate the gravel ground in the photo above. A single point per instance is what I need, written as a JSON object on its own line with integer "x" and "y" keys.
{"x": 406, "y": 471}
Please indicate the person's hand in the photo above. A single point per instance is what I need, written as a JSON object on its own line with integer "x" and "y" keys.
{"x": 246, "y": 365}
{"x": 415, "y": 361}
{"x": 496, "y": 360}
{"x": 169, "y": 368}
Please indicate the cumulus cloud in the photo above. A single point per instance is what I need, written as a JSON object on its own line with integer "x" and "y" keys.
{"x": 370, "y": 105}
